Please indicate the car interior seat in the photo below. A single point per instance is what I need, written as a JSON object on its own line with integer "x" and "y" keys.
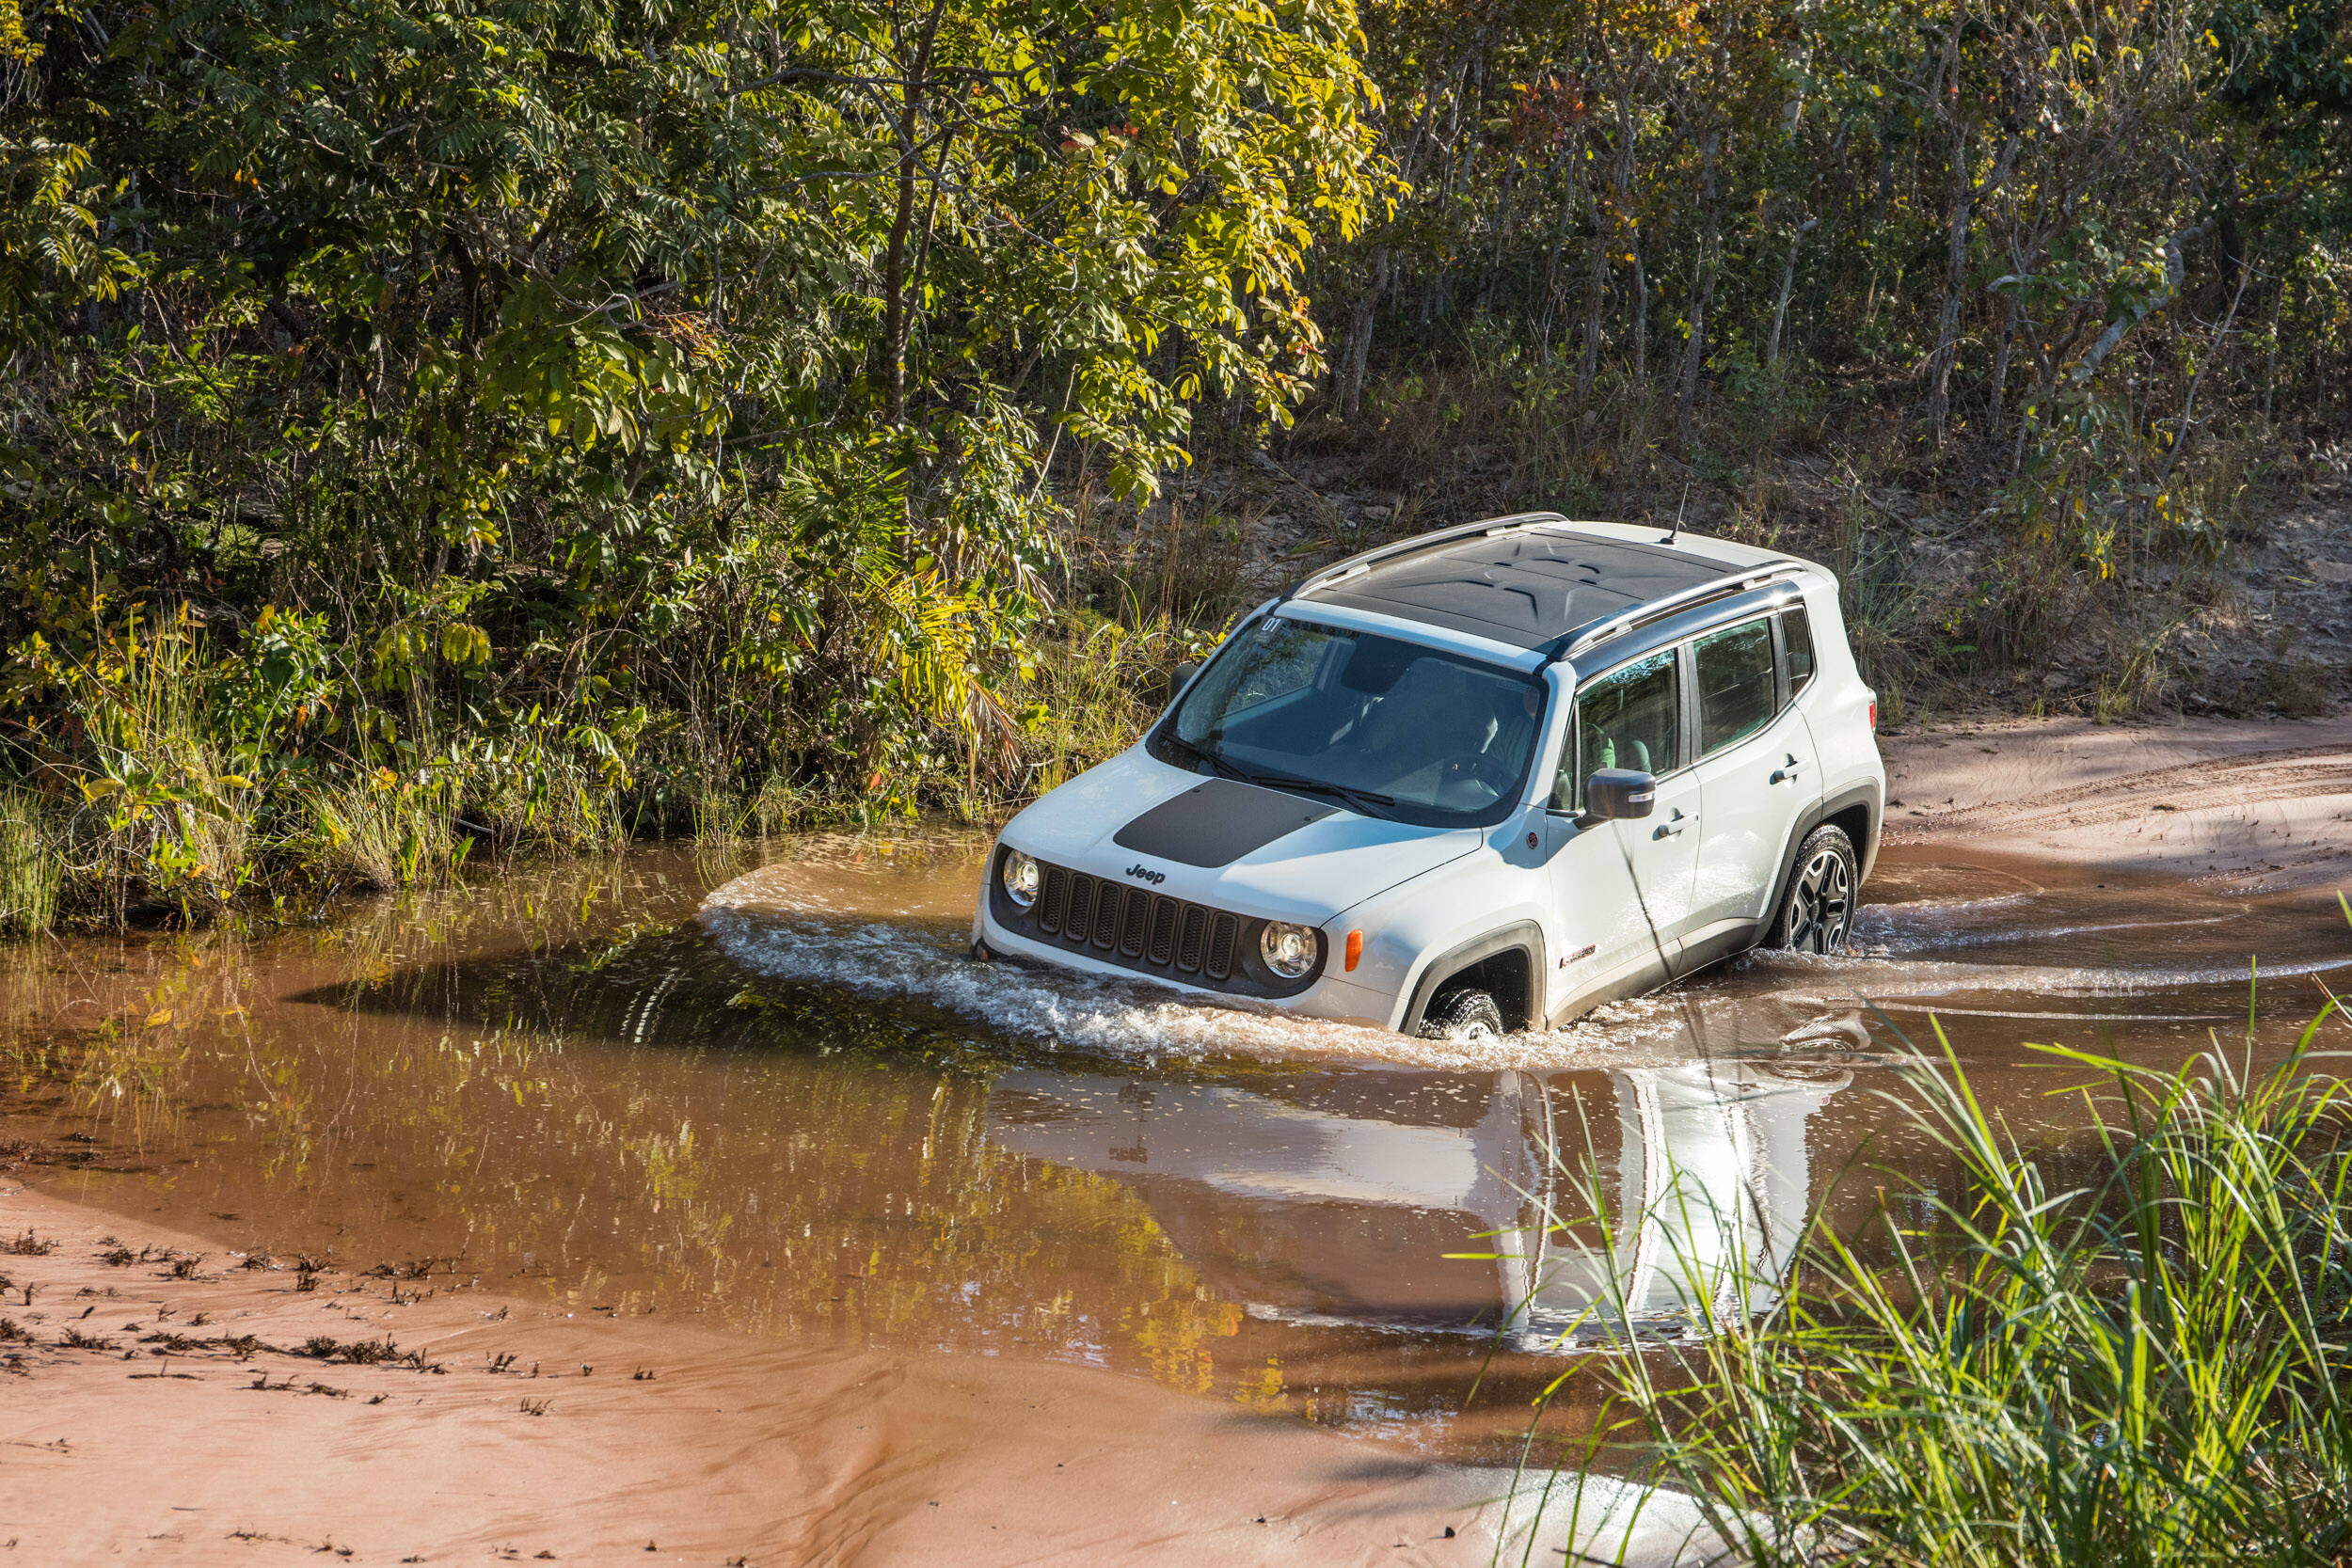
{"x": 1635, "y": 752}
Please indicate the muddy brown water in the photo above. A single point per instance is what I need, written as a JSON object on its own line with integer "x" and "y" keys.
{"x": 778, "y": 1096}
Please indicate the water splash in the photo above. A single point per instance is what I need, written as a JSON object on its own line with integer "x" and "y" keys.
{"x": 925, "y": 963}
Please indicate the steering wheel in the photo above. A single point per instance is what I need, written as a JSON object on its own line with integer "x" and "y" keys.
{"x": 1475, "y": 767}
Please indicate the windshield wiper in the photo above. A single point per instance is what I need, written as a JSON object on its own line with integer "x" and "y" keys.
{"x": 1214, "y": 759}
{"x": 1317, "y": 786}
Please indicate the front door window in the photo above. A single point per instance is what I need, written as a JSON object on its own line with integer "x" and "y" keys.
{"x": 1624, "y": 719}
{"x": 1622, "y": 889}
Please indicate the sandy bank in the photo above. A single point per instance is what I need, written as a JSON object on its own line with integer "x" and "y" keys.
{"x": 2258, "y": 806}
{"x": 163, "y": 1401}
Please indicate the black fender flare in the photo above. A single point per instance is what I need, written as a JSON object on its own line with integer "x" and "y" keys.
{"x": 1523, "y": 936}
{"x": 1867, "y": 794}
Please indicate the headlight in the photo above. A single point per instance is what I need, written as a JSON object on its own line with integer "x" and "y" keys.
{"x": 1288, "y": 950}
{"x": 1020, "y": 878}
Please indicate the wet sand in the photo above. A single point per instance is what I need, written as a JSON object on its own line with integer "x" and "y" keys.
{"x": 796, "y": 1447}
{"x": 149, "y": 1414}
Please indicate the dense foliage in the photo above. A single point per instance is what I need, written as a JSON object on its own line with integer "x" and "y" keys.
{"x": 465, "y": 420}
{"x": 2065, "y": 277}
{"x": 616, "y": 401}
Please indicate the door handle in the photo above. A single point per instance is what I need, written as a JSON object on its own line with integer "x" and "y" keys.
{"x": 1668, "y": 829}
{"x": 1787, "y": 770}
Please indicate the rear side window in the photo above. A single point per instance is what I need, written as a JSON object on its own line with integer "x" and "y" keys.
{"x": 1737, "y": 693}
{"x": 1798, "y": 633}
{"x": 1626, "y": 719}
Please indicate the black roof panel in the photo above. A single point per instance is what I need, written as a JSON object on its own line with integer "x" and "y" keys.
{"x": 1527, "y": 588}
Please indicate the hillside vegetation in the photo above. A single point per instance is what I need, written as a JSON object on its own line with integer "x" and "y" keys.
{"x": 436, "y": 428}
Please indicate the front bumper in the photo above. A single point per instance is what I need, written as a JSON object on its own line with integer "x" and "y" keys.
{"x": 1328, "y": 996}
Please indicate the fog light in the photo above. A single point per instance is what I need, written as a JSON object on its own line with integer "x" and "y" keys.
{"x": 1288, "y": 950}
{"x": 1020, "y": 878}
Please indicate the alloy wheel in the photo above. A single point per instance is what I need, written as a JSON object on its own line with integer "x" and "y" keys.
{"x": 1821, "y": 904}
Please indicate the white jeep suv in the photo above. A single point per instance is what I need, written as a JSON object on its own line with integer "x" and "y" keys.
{"x": 1482, "y": 779}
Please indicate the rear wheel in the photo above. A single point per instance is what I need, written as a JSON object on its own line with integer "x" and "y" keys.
{"x": 1466, "y": 1014}
{"x": 1816, "y": 910}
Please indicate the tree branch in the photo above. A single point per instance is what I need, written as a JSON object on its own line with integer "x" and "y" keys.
{"x": 2174, "y": 270}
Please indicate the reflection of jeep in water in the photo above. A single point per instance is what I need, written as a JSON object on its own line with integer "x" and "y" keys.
{"x": 1483, "y": 780}
{"x": 1338, "y": 1199}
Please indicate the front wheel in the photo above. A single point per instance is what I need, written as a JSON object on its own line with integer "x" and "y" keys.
{"x": 1816, "y": 910}
{"x": 1468, "y": 1014}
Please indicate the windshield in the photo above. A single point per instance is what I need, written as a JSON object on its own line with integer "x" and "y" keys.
{"x": 1386, "y": 728}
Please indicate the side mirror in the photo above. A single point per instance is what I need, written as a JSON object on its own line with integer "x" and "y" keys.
{"x": 1620, "y": 792}
{"x": 1181, "y": 679}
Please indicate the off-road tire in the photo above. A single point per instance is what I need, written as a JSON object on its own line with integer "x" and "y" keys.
{"x": 1466, "y": 1014}
{"x": 1816, "y": 913}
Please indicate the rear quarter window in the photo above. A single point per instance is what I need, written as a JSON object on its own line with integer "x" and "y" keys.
{"x": 1796, "y": 631}
{"x": 1738, "y": 692}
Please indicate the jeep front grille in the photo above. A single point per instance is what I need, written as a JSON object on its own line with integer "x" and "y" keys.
{"x": 1145, "y": 930}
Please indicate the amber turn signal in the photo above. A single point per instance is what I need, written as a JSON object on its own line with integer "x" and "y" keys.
{"x": 1355, "y": 947}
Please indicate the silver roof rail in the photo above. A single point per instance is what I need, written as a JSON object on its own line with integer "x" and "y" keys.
{"x": 1357, "y": 565}
{"x": 1624, "y": 621}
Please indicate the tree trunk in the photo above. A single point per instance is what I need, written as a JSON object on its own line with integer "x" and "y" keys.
{"x": 1595, "y": 291}
{"x": 2174, "y": 270}
{"x": 1993, "y": 399}
{"x": 1433, "y": 304}
{"x": 1360, "y": 336}
{"x": 1710, "y": 245}
{"x": 1502, "y": 233}
{"x": 895, "y": 318}
{"x": 1641, "y": 319}
{"x": 1569, "y": 203}
{"x": 1965, "y": 192}
{"x": 1623, "y": 179}
{"x": 1955, "y": 268}
{"x": 2188, "y": 405}
{"x": 894, "y": 275}
{"x": 2271, "y": 367}
{"x": 1787, "y": 285}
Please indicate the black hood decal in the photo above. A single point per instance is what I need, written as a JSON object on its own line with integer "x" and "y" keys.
{"x": 1216, "y": 823}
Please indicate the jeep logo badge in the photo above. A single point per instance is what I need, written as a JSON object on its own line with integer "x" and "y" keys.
{"x": 1142, "y": 873}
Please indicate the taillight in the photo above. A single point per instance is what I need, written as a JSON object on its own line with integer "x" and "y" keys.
{"x": 1874, "y": 716}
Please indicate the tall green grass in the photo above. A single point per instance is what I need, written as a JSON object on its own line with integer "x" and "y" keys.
{"x": 148, "y": 797}
{"x": 381, "y": 835}
{"x": 30, "y": 868}
{"x": 2148, "y": 1366}
{"x": 1086, "y": 694}
{"x": 182, "y": 776}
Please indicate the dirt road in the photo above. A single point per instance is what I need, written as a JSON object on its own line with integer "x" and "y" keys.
{"x": 2261, "y": 806}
